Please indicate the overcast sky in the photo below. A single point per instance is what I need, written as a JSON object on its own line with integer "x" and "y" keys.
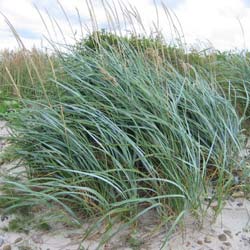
{"x": 223, "y": 23}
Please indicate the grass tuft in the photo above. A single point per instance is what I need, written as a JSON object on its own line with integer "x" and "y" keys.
{"x": 124, "y": 126}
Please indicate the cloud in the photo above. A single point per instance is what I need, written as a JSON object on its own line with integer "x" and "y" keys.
{"x": 219, "y": 22}
{"x": 24, "y": 18}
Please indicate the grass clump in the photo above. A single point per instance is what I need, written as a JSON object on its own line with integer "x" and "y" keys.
{"x": 123, "y": 128}
{"x": 124, "y": 136}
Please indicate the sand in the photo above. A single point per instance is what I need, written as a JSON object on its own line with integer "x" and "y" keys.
{"x": 229, "y": 231}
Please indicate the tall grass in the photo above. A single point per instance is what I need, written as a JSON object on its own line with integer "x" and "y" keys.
{"x": 124, "y": 135}
{"x": 233, "y": 72}
{"x": 125, "y": 132}
{"x": 22, "y": 71}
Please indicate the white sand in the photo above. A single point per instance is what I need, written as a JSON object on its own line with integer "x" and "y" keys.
{"x": 229, "y": 231}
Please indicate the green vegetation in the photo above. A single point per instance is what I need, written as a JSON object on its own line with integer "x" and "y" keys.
{"x": 24, "y": 223}
{"x": 114, "y": 127}
{"x": 22, "y": 73}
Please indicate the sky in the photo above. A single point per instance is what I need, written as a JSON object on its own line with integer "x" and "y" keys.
{"x": 222, "y": 24}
